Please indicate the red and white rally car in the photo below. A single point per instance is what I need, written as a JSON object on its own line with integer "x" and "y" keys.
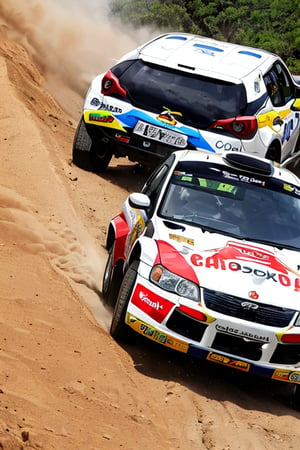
{"x": 205, "y": 260}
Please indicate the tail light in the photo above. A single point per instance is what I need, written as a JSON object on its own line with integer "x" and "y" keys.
{"x": 111, "y": 85}
{"x": 243, "y": 127}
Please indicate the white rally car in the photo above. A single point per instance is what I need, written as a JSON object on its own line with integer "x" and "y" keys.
{"x": 206, "y": 260}
{"x": 186, "y": 91}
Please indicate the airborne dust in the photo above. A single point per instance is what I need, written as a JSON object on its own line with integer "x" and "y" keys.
{"x": 70, "y": 41}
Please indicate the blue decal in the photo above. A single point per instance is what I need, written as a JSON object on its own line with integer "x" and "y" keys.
{"x": 208, "y": 47}
{"x": 179, "y": 38}
{"x": 194, "y": 136}
{"x": 289, "y": 128}
{"x": 246, "y": 52}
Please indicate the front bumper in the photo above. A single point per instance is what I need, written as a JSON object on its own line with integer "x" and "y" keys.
{"x": 262, "y": 354}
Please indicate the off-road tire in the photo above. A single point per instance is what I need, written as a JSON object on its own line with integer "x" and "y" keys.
{"x": 119, "y": 330}
{"x": 101, "y": 155}
{"x": 82, "y": 144}
{"x": 112, "y": 279}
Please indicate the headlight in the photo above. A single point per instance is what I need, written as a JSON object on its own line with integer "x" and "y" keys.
{"x": 297, "y": 323}
{"x": 173, "y": 283}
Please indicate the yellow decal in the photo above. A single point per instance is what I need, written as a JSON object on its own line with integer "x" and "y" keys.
{"x": 103, "y": 119}
{"x": 184, "y": 239}
{"x": 286, "y": 375}
{"x": 224, "y": 360}
{"x": 138, "y": 228}
{"x": 267, "y": 119}
{"x": 288, "y": 187}
{"x": 155, "y": 335}
{"x": 296, "y": 104}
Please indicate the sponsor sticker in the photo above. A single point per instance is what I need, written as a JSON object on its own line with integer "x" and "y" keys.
{"x": 286, "y": 375}
{"x": 250, "y": 260}
{"x": 102, "y": 118}
{"x": 243, "y": 333}
{"x": 184, "y": 239}
{"x": 155, "y": 335}
{"x": 152, "y": 304}
{"x": 226, "y": 361}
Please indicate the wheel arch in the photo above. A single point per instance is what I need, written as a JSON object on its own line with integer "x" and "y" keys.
{"x": 111, "y": 237}
{"x": 274, "y": 151}
{"x": 135, "y": 254}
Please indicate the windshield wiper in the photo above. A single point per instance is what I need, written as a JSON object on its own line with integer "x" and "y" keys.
{"x": 173, "y": 225}
{"x": 271, "y": 243}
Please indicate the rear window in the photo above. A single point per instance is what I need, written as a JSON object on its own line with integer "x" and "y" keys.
{"x": 200, "y": 101}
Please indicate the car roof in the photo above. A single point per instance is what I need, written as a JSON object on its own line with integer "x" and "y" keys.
{"x": 244, "y": 162}
{"x": 205, "y": 56}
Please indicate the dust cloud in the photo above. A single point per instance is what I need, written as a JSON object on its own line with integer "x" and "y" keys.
{"x": 68, "y": 249}
{"x": 71, "y": 40}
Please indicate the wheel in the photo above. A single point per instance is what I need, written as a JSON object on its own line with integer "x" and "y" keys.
{"x": 82, "y": 147}
{"x": 101, "y": 155}
{"x": 89, "y": 153}
{"x": 118, "y": 329}
{"x": 296, "y": 399}
{"x": 112, "y": 279}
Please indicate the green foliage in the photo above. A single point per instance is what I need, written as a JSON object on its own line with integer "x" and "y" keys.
{"x": 273, "y": 24}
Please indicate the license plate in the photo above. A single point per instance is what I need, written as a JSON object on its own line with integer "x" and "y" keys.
{"x": 160, "y": 134}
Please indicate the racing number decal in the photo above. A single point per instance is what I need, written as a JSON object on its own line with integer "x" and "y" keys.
{"x": 289, "y": 127}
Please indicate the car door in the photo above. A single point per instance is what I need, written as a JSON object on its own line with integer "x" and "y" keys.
{"x": 286, "y": 121}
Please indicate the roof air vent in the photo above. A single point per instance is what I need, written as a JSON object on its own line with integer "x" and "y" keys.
{"x": 250, "y": 163}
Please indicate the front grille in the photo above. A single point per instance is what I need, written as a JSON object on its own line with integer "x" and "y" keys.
{"x": 273, "y": 316}
{"x": 186, "y": 326}
{"x": 237, "y": 346}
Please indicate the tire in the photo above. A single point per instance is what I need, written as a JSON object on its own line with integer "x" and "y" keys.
{"x": 101, "y": 155}
{"x": 296, "y": 397}
{"x": 119, "y": 330}
{"x": 112, "y": 279}
{"x": 89, "y": 153}
{"x": 82, "y": 144}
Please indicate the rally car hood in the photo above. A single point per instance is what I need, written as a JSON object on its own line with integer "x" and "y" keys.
{"x": 223, "y": 263}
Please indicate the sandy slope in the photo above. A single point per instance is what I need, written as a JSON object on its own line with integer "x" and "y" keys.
{"x": 64, "y": 383}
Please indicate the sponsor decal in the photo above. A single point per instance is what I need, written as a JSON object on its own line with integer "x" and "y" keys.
{"x": 291, "y": 189}
{"x": 243, "y": 178}
{"x": 102, "y": 118}
{"x": 233, "y": 256}
{"x": 242, "y": 333}
{"x": 224, "y": 360}
{"x": 286, "y": 375}
{"x": 155, "y": 335}
{"x": 184, "y": 239}
{"x": 138, "y": 228}
{"x": 226, "y": 146}
{"x": 152, "y": 304}
{"x": 110, "y": 108}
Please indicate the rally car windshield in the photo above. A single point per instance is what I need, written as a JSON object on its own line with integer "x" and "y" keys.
{"x": 222, "y": 200}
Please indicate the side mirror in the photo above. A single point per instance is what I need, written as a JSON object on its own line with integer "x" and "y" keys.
{"x": 139, "y": 201}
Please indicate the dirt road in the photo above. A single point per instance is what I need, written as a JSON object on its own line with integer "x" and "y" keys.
{"x": 64, "y": 382}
